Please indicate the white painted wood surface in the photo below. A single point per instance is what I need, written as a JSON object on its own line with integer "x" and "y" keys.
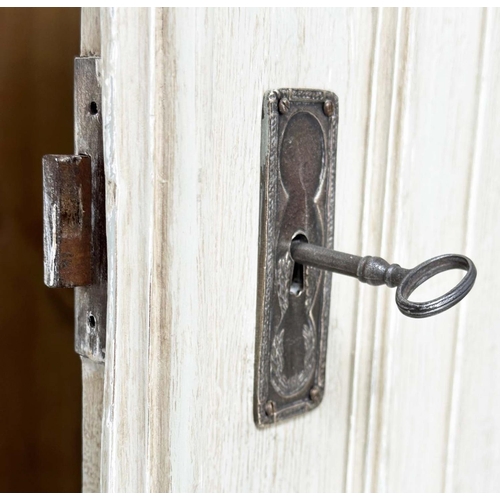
{"x": 409, "y": 405}
{"x": 92, "y": 396}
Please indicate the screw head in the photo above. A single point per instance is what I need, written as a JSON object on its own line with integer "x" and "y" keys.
{"x": 270, "y": 408}
{"x": 315, "y": 394}
{"x": 284, "y": 105}
{"x": 328, "y": 107}
{"x": 272, "y": 96}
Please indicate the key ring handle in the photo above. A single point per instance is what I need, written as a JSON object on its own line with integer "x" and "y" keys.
{"x": 423, "y": 272}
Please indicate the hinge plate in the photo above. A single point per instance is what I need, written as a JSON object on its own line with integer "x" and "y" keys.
{"x": 74, "y": 215}
{"x": 299, "y": 142}
{"x": 91, "y": 301}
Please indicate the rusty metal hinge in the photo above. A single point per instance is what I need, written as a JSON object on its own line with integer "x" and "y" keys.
{"x": 74, "y": 215}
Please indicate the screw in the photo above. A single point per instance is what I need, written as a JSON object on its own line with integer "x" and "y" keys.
{"x": 328, "y": 107}
{"x": 315, "y": 394}
{"x": 284, "y": 105}
{"x": 270, "y": 408}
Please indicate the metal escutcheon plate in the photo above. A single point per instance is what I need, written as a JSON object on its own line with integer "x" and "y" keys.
{"x": 299, "y": 142}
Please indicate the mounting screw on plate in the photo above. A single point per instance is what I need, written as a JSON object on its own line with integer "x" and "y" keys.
{"x": 315, "y": 394}
{"x": 270, "y": 408}
{"x": 284, "y": 105}
{"x": 328, "y": 107}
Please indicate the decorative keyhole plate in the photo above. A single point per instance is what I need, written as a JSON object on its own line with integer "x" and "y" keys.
{"x": 299, "y": 142}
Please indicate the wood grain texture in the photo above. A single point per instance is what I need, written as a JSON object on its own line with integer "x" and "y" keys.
{"x": 92, "y": 373}
{"x": 93, "y": 384}
{"x": 474, "y": 441}
{"x": 130, "y": 108}
{"x": 425, "y": 215}
{"x": 182, "y": 103}
{"x": 90, "y": 31}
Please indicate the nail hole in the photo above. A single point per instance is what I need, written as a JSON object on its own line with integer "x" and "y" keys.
{"x": 297, "y": 286}
{"x": 93, "y": 108}
{"x": 92, "y": 321}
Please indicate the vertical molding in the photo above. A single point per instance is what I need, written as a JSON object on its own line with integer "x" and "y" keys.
{"x": 474, "y": 447}
{"x": 128, "y": 130}
{"x": 149, "y": 104}
{"x": 163, "y": 126}
{"x": 352, "y": 467}
{"x": 408, "y": 414}
{"x": 380, "y": 383}
{"x": 473, "y": 183}
{"x": 375, "y": 167}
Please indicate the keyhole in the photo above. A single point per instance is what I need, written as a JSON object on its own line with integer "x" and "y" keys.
{"x": 297, "y": 285}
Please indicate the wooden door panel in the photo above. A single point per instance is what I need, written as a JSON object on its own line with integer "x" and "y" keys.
{"x": 475, "y": 438}
{"x": 425, "y": 205}
{"x": 182, "y": 101}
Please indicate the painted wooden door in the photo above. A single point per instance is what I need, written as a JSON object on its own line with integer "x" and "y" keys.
{"x": 410, "y": 405}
